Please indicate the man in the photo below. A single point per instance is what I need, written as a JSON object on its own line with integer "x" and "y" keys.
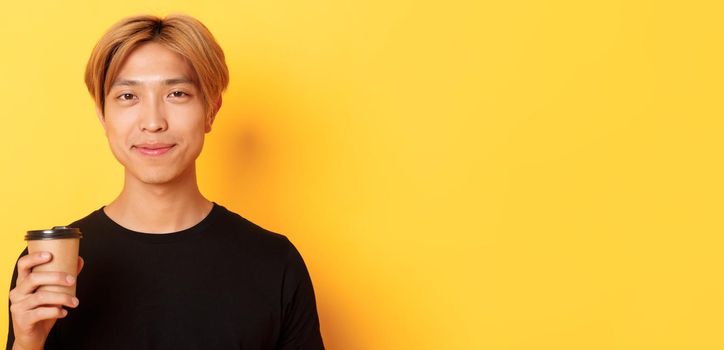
{"x": 163, "y": 267}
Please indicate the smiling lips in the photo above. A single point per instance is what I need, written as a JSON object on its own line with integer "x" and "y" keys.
{"x": 153, "y": 149}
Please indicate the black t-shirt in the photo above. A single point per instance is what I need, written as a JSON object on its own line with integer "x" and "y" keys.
{"x": 224, "y": 283}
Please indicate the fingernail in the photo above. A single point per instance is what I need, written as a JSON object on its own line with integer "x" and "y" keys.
{"x": 65, "y": 312}
{"x": 44, "y": 255}
{"x": 75, "y": 301}
{"x": 70, "y": 279}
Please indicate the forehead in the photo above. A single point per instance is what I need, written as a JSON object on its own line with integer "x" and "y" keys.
{"x": 153, "y": 62}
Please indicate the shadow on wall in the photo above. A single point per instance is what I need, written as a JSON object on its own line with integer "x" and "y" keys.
{"x": 249, "y": 162}
{"x": 241, "y": 164}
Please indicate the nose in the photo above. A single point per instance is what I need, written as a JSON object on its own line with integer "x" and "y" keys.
{"x": 153, "y": 117}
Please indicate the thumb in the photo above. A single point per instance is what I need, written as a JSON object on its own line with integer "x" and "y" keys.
{"x": 81, "y": 262}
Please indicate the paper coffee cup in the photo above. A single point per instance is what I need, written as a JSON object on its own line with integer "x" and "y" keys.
{"x": 63, "y": 242}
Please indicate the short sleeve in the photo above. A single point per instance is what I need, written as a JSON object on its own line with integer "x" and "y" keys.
{"x": 300, "y": 321}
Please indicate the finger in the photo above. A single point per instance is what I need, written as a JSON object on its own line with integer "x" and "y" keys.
{"x": 46, "y": 313}
{"x": 27, "y": 262}
{"x": 81, "y": 263}
{"x": 45, "y": 298}
{"x": 37, "y": 279}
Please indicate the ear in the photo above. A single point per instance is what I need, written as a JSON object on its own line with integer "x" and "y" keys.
{"x": 101, "y": 117}
{"x": 210, "y": 119}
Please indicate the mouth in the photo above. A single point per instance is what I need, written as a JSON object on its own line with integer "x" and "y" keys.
{"x": 153, "y": 149}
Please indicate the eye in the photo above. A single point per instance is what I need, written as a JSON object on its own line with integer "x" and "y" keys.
{"x": 179, "y": 94}
{"x": 126, "y": 97}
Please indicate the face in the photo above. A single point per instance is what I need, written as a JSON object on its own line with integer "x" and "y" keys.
{"x": 154, "y": 116}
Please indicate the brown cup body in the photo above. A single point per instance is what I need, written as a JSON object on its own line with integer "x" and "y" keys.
{"x": 65, "y": 259}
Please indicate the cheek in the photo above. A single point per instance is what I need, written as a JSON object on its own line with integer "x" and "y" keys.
{"x": 190, "y": 122}
{"x": 122, "y": 118}
{"x": 196, "y": 136}
{"x": 115, "y": 130}
{"x": 117, "y": 133}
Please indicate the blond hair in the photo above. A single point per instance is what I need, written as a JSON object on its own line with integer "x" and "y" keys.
{"x": 181, "y": 33}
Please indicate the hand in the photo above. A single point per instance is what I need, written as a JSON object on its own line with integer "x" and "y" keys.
{"x": 34, "y": 312}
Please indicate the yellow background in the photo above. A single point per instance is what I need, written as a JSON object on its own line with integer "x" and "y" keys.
{"x": 457, "y": 175}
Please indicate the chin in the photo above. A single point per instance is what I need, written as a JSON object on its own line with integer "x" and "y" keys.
{"x": 156, "y": 177}
{"x": 159, "y": 174}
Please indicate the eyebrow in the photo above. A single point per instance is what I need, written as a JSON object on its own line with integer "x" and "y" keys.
{"x": 172, "y": 81}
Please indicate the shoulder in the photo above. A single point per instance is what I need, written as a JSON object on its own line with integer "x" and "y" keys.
{"x": 242, "y": 232}
{"x": 91, "y": 220}
{"x": 233, "y": 222}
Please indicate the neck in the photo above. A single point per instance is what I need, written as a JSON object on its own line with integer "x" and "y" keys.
{"x": 159, "y": 208}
